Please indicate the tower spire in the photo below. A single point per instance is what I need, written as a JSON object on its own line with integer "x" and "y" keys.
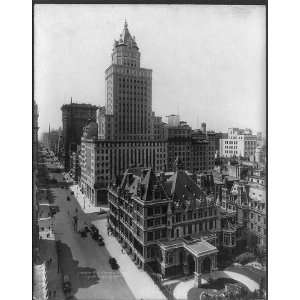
{"x": 125, "y": 24}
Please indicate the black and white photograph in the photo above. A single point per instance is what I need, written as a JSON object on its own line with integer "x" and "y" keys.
{"x": 150, "y": 152}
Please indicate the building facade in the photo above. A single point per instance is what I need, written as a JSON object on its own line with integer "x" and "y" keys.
{"x": 165, "y": 222}
{"x": 240, "y": 142}
{"x": 194, "y": 148}
{"x": 257, "y": 213}
{"x": 74, "y": 117}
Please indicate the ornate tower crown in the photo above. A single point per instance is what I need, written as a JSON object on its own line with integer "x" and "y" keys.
{"x": 126, "y": 51}
{"x": 126, "y": 38}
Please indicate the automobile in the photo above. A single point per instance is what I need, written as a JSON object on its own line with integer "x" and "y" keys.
{"x": 100, "y": 242}
{"x": 113, "y": 263}
{"x": 82, "y": 233}
{"x": 66, "y": 284}
{"x": 86, "y": 228}
{"x": 93, "y": 229}
{"x": 72, "y": 193}
{"x": 68, "y": 198}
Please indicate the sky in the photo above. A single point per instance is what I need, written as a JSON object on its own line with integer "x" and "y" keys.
{"x": 208, "y": 62}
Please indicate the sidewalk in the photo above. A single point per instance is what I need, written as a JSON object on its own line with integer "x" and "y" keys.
{"x": 84, "y": 202}
{"x": 48, "y": 254}
{"x": 139, "y": 282}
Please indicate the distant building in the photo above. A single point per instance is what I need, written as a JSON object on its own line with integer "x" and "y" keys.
{"x": 173, "y": 120}
{"x": 74, "y": 117}
{"x": 75, "y": 164}
{"x": 35, "y": 146}
{"x": 240, "y": 142}
{"x": 260, "y": 155}
{"x": 194, "y": 148}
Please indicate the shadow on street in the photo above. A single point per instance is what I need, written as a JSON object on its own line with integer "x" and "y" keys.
{"x": 80, "y": 277}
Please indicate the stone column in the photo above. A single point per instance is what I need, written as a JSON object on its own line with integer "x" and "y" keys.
{"x": 163, "y": 262}
{"x": 197, "y": 273}
{"x": 214, "y": 263}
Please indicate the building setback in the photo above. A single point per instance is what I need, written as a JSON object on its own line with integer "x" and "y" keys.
{"x": 74, "y": 117}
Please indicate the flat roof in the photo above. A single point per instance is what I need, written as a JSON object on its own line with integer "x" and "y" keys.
{"x": 201, "y": 248}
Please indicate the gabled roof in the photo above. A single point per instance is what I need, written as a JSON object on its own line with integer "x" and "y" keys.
{"x": 141, "y": 181}
{"x": 182, "y": 189}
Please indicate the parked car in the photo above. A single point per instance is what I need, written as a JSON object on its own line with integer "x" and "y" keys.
{"x": 113, "y": 263}
{"x": 83, "y": 233}
{"x": 68, "y": 198}
{"x": 66, "y": 284}
{"x": 100, "y": 242}
{"x": 72, "y": 193}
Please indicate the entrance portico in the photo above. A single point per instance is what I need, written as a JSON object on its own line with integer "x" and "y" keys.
{"x": 205, "y": 258}
{"x": 191, "y": 257}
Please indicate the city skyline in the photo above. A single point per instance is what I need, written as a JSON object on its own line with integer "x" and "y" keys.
{"x": 64, "y": 70}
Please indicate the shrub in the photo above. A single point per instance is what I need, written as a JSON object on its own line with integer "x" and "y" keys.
{"x": 244, "y": 258}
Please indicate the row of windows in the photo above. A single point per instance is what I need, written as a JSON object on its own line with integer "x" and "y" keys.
{"x": 202, "y": 213}
{"x": 259, "y": 218}
{"x": 156, "y": 210}
{"x": 132, "y": 80}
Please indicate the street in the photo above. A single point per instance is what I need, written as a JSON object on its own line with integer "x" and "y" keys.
{"x": 80, "y": 258}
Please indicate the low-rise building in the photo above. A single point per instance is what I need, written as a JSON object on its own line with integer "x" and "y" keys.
{"x": 240, "y": 142}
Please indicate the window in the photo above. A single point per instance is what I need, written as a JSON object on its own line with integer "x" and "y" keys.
{"x": 150, "y": 211}
{"x": 258, "y": 218}
{"x": 157, "y": 234}
{"x": 251, "y": 225}
{"x": 150, "y": 236}
{"x": 178, "y": 218}
{"x": 157, "y": 221}
{"x": 251, "y": 215}
{"x": 150, "y": 223}
{"x": 258, "y": 228}
{"x": 157, "y": 210}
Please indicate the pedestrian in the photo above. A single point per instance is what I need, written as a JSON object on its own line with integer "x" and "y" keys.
{"x": 54, "y": 293}
{"x": 50, "y": 260}
{"x": 49, "y": 294}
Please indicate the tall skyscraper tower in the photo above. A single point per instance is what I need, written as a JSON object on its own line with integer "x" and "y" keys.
{"x": 128, "y": 92}
{"x": 128, "y": 132}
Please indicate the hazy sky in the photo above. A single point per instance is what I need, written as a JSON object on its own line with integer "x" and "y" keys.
{"x": 208, "y": 62}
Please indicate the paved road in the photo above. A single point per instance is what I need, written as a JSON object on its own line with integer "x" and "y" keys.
{"x": 81, "y": 258}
